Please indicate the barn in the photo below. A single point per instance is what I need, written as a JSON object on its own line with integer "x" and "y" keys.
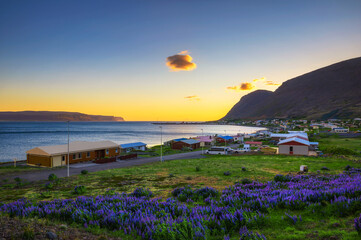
{"x": 79, "y": 151}
{"x": 294, "y": 146}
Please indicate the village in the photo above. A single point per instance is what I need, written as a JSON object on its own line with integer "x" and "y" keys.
{"x": 284, "y": 137}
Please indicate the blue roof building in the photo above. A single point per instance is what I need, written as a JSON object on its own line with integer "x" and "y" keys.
{"x": 133, "y": 146}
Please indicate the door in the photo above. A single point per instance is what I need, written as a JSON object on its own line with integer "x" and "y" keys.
{"x": 56, "y": 161}
{"x": 291, "y": 150}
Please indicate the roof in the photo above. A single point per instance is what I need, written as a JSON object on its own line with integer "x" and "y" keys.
{"x": 190, "y": 141}
{"x": 130, "y": 145}
{"x": 260, "y": 143}
{"x": 179, "y": 139}
{"x": 295, "y": 139}
{"x": 288, "y": 135}
{"x": 226, "y": 137}
{"x": 78, "y": 146}
{"x": 313, "y": 143}
{"x": 205, "y": 138}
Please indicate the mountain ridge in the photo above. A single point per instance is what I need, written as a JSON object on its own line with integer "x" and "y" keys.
{"x": 333, "y": 91}
{"x": 56, "y": 116}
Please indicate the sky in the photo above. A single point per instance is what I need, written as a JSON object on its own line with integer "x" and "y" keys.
{"x": 164, "y": 60}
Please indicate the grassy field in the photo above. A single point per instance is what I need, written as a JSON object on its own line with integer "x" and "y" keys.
{"x": 351, "y": 143}
{"x": 162, "y": 178}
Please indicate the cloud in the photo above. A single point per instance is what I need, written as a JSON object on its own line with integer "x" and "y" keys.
{"x": 181, "y": 62}
{"x": 193, "y": 98}
{"x": 270, "y": 83}
{"x": 259, "y": 79}
{"x": 242, "y": 87}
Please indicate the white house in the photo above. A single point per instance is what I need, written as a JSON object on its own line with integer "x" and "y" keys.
{"x": 340, "y": 130}
{"x": 294, "y": 146}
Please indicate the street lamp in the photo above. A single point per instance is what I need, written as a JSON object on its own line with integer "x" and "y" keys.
{"x": 203, "y": 140}
{"x": 68, "y": 152}
{"x": 161, "y": 145}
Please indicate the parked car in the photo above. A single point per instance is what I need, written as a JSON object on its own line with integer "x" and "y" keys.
{"x": 218, "y": 150}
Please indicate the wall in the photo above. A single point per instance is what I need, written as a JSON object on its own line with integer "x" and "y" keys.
{"x": 297, "y": 149}
{"x": 43, "y": 161}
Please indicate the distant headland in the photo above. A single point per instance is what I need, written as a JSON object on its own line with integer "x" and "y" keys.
{"x": 56, "y": 117}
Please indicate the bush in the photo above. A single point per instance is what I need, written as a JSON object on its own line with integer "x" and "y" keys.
{"x": 142, "y": 192}
{"x": 84, "y": 172}
{"x": 246, "y": 181}
{"x": 28, "y": 233}
{"x": 325, "y": 169}
{"x": 198, "y": 169}
{"x": 79, "y": 190}
{"x": 282, "y": 178}
{"x": 244, "y": 169}
{"x": 227, "y": 173}
{"x": 52, "y": 177}
{"x": 348, "y": 168}
{"x": 186, "y": 193}
{"x": 17, "y": 179}
{"x": 171, "y": 175}
{"x": 49, "y": 185}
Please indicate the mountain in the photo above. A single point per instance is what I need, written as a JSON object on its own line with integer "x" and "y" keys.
{"x": 55, "y": 116}
{"x": 330, "y": 92}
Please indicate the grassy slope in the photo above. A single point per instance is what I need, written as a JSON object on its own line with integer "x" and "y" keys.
{"x": 157, "y": 177}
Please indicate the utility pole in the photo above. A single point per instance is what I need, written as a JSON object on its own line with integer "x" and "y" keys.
{"x": 68, "y": 153}
{"x": 203, "y": 141}
{"x": 161, "y": 144}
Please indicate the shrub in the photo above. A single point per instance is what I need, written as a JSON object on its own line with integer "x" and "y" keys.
{"x": 325, "y": 169}
{"x": 246, "y": 181}
{"x": 244, "y": 169}
{"x": 198, "y": 169}
{"x": 79, "y": 190}
{"x": 28, "y": 233}
{"x": 84, "y": 172}
{"x": 282, "y": 178}
{"x": 358, "y": 224}
{"x": 171, "y": 175}
{"x": 17, "y": 179}
{"x": 142, "y": 192}
{"x": 348, "y": 168}
{"x": 188, "y": 178}
{"x": 186, "y": 193}
{"x": 49, "y": 185}
{"x": 226, "y": 173}
{"x": 52, "y": 177}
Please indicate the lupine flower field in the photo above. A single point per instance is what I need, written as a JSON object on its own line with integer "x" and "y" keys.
{"x": 238, "y": 212}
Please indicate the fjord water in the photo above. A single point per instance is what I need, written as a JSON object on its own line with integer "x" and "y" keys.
{"x": 18, "y": 137}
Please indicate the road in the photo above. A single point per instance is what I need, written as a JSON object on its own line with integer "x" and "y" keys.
{"x": 76, "y": 169}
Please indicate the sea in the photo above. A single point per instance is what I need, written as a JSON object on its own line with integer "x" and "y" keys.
{"x": 18, "y": 137}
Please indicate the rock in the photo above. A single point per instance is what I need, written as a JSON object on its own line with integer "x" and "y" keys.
{"x": 51, "y": 235}
{"x": 63, "y": 226}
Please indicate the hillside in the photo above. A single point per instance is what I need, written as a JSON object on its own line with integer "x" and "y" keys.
{"x": 55, "y": 116}
{"x": 330, "y": 92}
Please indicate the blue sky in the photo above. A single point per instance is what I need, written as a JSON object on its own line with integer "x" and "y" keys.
{"x": 54, "y": 55}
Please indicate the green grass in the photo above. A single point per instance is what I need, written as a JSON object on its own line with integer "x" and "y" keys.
{"x": 162, "y": 178}
{"x": 18, "y": 169}
{"x": 351, "y": 143}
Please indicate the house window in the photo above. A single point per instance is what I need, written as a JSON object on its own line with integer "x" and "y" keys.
{"x": 63, "y": 158}
{"x": 116, "y": 150}
{"x": 74, "y": 156}
{"x": 79, "y": 155}
{"x": 107, "y": 151}
{"x": 291, "y": 148}
{"x": 88, "y": 154}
